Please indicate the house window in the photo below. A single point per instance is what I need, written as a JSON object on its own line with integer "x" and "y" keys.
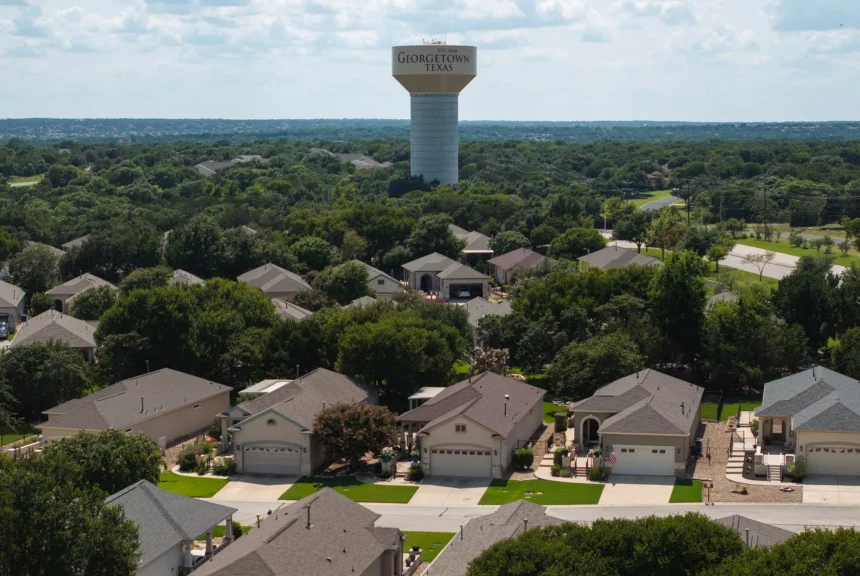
{"x": 624, "y": 449}
{"x": 450, "y": 451}
{"x": 456, "y": 451}
{"x": 471, "y": 452}
{"x": 128, "y": 429}
{"x": 271, "y": 422}
{"x": 460, "y": 427}
{"x": 380, "y": 282}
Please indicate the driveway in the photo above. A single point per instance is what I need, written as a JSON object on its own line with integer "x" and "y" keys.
{"x": 450, "y": 492}
{"x": 243, "y": 488}
{"x": 834, "y": 490}
{"x": 637, "y": 490}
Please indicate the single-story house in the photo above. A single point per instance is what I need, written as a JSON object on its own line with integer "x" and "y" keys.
{"x": 273, "y": 434}
{"x": 11, "y": 304}
{"x": 168, "y": 524}
{"x": 384, "y": 285}
{"x": 165, "y": 405}
{"x": 477, "y": 245}
{"x": 478, "y": 534}
{"x": 183, "y": 278}
{"x": 505, "y": 267}
{"x": 64, "y": 294}
{"x": 646, "y": 422}
{"x": 480, "y": 307}
{"x": 75, "y": 243}
{"x": 289, "y": 311}
{"x": 473, "y": 427}
{"x": 814, "y": 414}
{"x": 755, "y": 533}
{"x": 55, "y": 326}
{"x": 263, "y": 387}
{"x": 212, "y": 167}
{"x": 324, "y": 534}
{"x": 55, "y": 251}
{"x": 438, "y": 273}
{"x": 360, "y": 302}
{"x": 616, "y": 257}
{"x": 274, "y": 281}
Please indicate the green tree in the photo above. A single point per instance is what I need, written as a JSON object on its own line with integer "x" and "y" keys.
{"x": 845, "y": 353}
{"x": 808, "y": 297}
{"x": 583, "y": 367}
{"x": 112, "y": 253}
{"x": 394, "y": 259}
{"x": 666, "y": 231}
{"x": 699, "y": 239}
{"x": 615, "y": 209}
{"x": 349, "y": 431}
{"x": 197, "y": 247}
{"x": 145, "y": 279}
{"x": 716, "y": 254}
{"x": 632, "y": 228}
{"x": 542, "y": 235}
{"x": 353, "y": 247}
{"x": 8, "y": 246}
{"x": 313, "y": 253}
{"x": 34, "y": 269}
{"x": 92, "y": 303}
{"x": 343, "y": 283}
{"x": 508, "y": 241}
{"x": 432, "y": 234}
{"x": 576, "y": 242}
{"x": 39, "y": 303}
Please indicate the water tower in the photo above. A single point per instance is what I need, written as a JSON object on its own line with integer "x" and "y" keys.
{"x": 434, "y": 74}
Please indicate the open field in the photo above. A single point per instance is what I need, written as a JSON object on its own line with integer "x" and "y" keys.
{"x": 784, "y": 247}
{"x": 642, "y": 199}
{"x": 25, "y": 179}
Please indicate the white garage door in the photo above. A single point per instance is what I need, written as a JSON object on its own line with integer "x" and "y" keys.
{"x": 460, "y": 462}
{"x": 272, "y": 460}
{"x": 837, "y": 460}
{"x": 644, "y": 460}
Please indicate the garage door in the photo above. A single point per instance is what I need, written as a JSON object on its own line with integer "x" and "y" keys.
{"x": 644, "y": 460}
{"x": 459, "y": 462}
{"x": 466, "y": 291}
{"x": 837, "y": 460}
{"x": 272, "y": 460}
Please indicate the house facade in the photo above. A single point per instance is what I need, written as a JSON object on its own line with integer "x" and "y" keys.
{"x": 11, "y": 304}
{"x": 505, "y": 267}
{"x": 381, "y": 283}
{"x": 53, "y": 326}
{"x": 436, "y": 273}
{"x": 63, "y": 294}
{"x": 617, "y": 257}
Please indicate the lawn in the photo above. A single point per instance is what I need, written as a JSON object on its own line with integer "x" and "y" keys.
{"x": 784, "y": 247}
{"x": 221, "y": 531}
{"x": 17, "y": 434}
{"x": 730, "y": 407}
{"x": 643, "y": 199}
{"x": 709, "y": 410}
{"x": 686, "y": 491}
{"x": 727, "y": 275}
{"x": 431, "y": 543}
{"x": 549, "y": 410}
{"x": 538, "y": 379}
{"x": 25, "y": 179}
{"x": 195, "y": 487}
{"x": 353, "y": 489}
{"x": 543, "y": 492}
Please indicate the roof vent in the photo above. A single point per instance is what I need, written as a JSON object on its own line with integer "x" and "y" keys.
{"x": 682, "y": 408}
{"x": 141, "y": 404}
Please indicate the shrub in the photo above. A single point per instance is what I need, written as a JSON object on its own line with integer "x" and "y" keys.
{"x": 215, "y": 429}
{"x": 555, "y": 470}
{"x": 556, "y": 458}
{"x": 238, "y": 530}
{"x": 524, "y": 458}
{"x": 416, "y": 473}
{"x": 223, "y": 467}
{"x": 744, "y": 491}
{"x": 205, "y": 448}
{"x": 595, "y": 474}
{"x": 560, "y": 421}
{"x": 188, "y": 459}
{"x": 202, "y": 467}
{"x": 566, "y": 473}
{"x": 754, "y": 426}
{"x": 798, "y": 469}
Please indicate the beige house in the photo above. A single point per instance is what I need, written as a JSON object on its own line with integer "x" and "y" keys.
{"x": 165, "y": 405}
{"x": 505, "y": 267}
{"x": 11, "y": 304}
{"x": 450, "y": 279}
{"x": 273, "y": 433}
{"x": 477, "y": 246}
{"x": 183, "y": 278}
{"x": 384, "y": 285}
{"x": 64, "y": 294}
{"x": 646, "y": 422}
{"x": 275, "y": 282}
{"x": 53, "y": 326}
{"x": 473, "y": 427}
{"x": 75, "y": 243}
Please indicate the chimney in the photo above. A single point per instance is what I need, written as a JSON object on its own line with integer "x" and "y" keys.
{"x": 748, "y": 537}
{"x": 141, "y": 404}
{"x": 507, "y": 397}
{"x": 525, "y": 524}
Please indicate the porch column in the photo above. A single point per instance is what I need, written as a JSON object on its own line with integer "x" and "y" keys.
{"x": 209, "y": 543}
{"x": 224, "y": 435}
{"x": 228, "y": 536}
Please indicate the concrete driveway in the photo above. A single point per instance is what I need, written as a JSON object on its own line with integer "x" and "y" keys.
{"x": 834, "y": 490}
{"x": 254, "y": 488}
{"x": 450, "y": 492}
{"x": 637, "y": 490}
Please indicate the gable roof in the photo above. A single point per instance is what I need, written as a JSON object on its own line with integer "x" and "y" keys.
{"x": 51, "y": 325}
{"x": 360, "y": 302}
{"x": 10, "y": 295}
{"x": 475, "y": 241}
{"x": 55, "y": 251}
{"x": 374, "y": 272}
{"x": 721, "y": 297}
{"x": 165, "y": 519}
{"x": 480, "y": 398}
{"x": 521, "y": 258}
{"x": 480, "y": 533}
{"x": 615, "y": 257}
{"x": 183, "y": 278}
{"x": 304, "y": 397}
{"x": 480, "y": 307}
{"x": 647, "y": 402}
{"x": 78, "y": 285}
{"x": 815, "y": 399}
{"x": 760, "y": 534}
{"x": 273, "y": 278}
{"x": 341, "y": 539}
{"x": 456, "y": 230}
{"x": 289, "y": 311}
{"x": 434, "y": 262}
{"x": 457, "y": 271}
{"x": 134, "y": 400}
{"x": 75, "y": 242}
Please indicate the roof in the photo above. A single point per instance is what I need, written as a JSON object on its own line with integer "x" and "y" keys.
{"x": 55, "y": 326}
{"x": 434, "y": 262}
{"x": 55, "y": 251}
{"x": 760, "y": 534}
{"x": 289, "y": 311}
{"x": 480, "y": 533}
{"x": 615, "y": 257}
{"x": 265, "y": 386}
{"x": 481, "y": 398}
{"x": 375, "y": 272}
{"x": 211, "y": 167}
{"x": 10, "y": 295}
{"x": 647, "y": 402}
{"x": 341, "y": 540}
{"x": 78, "y": 285}
{"x": 273, "y": 278}
{"x": 165, "y": 519}
{"x": 456, "y": 230}
{"x": 303, "y": 398}
{"x": 183, "y": 278}
{"x": 134, "y": 400}
{"x": 815, "y": 399}
{"x": 457, "y": 271}
{"x": 359, "y": 302}
{"x": 426, "y": 392}
{"x": 521, "y": 258}
{"x": 475, "y": 241}
{"x": 75, "y": 242}
{"x": 480, "y": 307}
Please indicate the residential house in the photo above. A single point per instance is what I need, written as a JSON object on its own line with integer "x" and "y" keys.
{"x": 324, "y": 534}
{"x": 360, "y": 302}
{"x": 212, "y": 167}
{"x": 55, "y": 251}
{"x": 275, "y": 282}
{"x": 384, "y": 285}
{"x": 477, "y": 246}
{"x": 183, "y": 278}
{"x": 813, "y": 415}
{"x": 53, "y": 326}
{"x": 168, "y": 524}
{"x": 473, "y": 427}
{"x": 64, "y": 294}
{"x": 755, "y": 533}
{"x": 289, "y": 311}
{"x": 478, "y": 534}
{"x": 479, "y": 308}
{"x": 360, "y": 161}
{"x": 165, "y": 405}
{"x": 647, "y": 420}
{"x": 616, "y": 257}
{"x": 452, "y": 280}
{"x": 273, "y": 434}
{"x": 75, "y": 243}
{"x": 505, "y": 267}
{"x": 11, "y": 304}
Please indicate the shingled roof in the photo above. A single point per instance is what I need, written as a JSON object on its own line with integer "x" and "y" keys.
{"x": 183, "y": 278}
{"x": 165, "y": 519}
{"x": 53, "y": 326}
{"x": 521, "y": 259}
{"x": 615, "y": 257}
{"x": 324, "y": 534}
{"x": 480, "y": 307}
{"x": 374, "y": 272}
{"x": 289, "y": 311}
{"x": 482, "y": 399}
{"x": 434, "y": 262}
{"x": 75, "y": 242}
{"x": 77, "y": 285}
{"x": 759, "y": 533}
{"x": 10, "y": 295}
{"x": 457, "y": 271}
{"x": 273, "y": 278}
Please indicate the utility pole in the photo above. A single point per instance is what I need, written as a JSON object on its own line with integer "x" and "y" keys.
{"x": 721, "y": 201}
{"x": 689, "y": 202}
{"x": 764, "y": 186}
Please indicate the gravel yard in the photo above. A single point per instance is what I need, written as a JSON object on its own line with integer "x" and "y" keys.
{"x": 539, "y": 449}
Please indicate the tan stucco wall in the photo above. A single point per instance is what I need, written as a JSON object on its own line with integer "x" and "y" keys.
{"x": 284, "y": 431}
{"x": 13, "y": 313}
{"x": 168, "y": 564}
{"x": 519, "y": 436}
{"x": 475, "y": 436}
{"x": 387, "y": 288}
{"x": 808, "y": 440}
{"x": 579, "y": 417}
{"x": 680, "y": 444}
{"x": 414, "y": 280}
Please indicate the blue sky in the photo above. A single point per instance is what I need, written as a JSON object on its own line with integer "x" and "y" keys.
{"x": 706, "y": 60}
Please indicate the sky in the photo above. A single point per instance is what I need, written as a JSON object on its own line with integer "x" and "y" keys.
{"x": 566, "y": 60}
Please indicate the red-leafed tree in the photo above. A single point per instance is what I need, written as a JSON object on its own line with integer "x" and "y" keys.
{"x": 349, "y": 431}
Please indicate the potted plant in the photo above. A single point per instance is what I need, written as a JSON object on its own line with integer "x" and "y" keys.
{"x": 754, "y": 428}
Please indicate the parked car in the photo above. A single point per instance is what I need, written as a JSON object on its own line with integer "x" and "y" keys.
{"x": 464, "y": 294}
{"x": 4, "y": 329}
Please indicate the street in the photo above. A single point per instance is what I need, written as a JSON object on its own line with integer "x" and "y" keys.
{"x": 659, "y": 204}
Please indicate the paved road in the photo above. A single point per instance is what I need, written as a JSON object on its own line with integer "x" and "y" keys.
{"x": 658, "y": 204}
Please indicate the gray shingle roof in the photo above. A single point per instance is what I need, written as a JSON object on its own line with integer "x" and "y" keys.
{"x": 119, "y": 405}
{"x": 78, "y": 285}
{"x": 615, "y": 257}
{"x": 183, "y": 278}
{"x": 482, "y": 399}
{"x": 760, "y": 534}
{"x": 165, "y": 519}
{"x": 55, "y": 251}
{"x": 10, "y": 295}
{"x": 289, "y": 311}
{"x": 456, "y": 230}
{"x": 341, "y": 540}
{"x": 457, "y": 271}
{"x": 374, "y": 272}
{"x": 434, "y": 262}
{"x": 475, "y": 242}
{"x": 58, "y": 327}
{"x": 815, "y": 399}
{"x": 75, "y": 242}
{"x": 359, "y": 302}
{"x": 303, "y": 398}
{"x": 482, "y": 532}
{"x": 648, "y": 402}
{"x": 480, "y": 307}
{"x": 273, "y": 278}
{"x": 521, "y": 258}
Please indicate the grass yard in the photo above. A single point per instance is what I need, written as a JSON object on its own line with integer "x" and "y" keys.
{"x": 709, "y": 410}
{"x": 196, "y": 487}
{"x": 431, "y": 543}
{"x": 686, "y": 491}
{"x": 549, "y": 410}
{"x": 221, "y": 531}
{"x": 353, "y": 489}
{"x": 543, "y": 492}
{"x": 17, "y": 434}
{"x": 538, "y": 380}
{"x": 25, "y": 179}
{"x": 643, "y": 199}
{"x": 730, "y": 405}
{"x": 784, "y": 247}
{"x": 728, "y": 275}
